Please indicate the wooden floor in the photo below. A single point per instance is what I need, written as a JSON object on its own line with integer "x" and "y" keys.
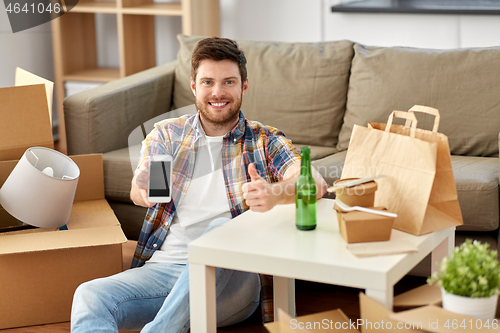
{"x": 310, "y": 298}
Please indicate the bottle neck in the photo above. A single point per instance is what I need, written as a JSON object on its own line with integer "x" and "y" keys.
{"x": 305, "y": 164}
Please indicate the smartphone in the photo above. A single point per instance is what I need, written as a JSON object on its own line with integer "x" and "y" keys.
{"x": 160, "y": 178}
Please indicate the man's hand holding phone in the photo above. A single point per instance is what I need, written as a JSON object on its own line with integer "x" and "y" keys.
{"x": 139, "y": 191}
{"x": 152, "y": 181}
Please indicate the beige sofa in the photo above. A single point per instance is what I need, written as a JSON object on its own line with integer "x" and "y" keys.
{"x": 315, "y": 93}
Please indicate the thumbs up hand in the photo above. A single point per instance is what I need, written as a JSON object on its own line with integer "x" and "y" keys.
{"x": 252, "y": 171}
{"x": 258, "y": 193}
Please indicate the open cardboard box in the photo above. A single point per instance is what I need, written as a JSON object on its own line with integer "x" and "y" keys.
{"x": 25, "y": 113}
{"x": 41, "y": 268}
{"x": 334, "y": 320}
{"x": 423, "y": 314}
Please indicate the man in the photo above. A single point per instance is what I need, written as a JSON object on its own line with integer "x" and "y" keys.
{"x": 212, "y": 152}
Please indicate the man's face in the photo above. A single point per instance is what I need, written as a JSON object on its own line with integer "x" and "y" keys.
{"x": 218, "y": 91}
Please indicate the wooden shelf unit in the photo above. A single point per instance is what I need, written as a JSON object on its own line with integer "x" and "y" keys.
{"x": 101, "y": 74}
{"x": 167, "y": 9}
{"x": 106, "y": 7}
{"x": 75, "y": 49}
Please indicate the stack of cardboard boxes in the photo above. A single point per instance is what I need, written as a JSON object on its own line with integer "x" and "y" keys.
{"x": 356, "y": 226}
{"x": 41, "y": 268}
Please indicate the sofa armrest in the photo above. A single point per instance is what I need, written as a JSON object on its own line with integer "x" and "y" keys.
{"x": 100, "y": 119}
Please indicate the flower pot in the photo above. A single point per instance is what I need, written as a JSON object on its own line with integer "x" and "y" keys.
{"x": 479, "y": 307}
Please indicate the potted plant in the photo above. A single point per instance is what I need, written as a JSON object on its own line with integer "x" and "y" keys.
{"x": 469, "y": 280}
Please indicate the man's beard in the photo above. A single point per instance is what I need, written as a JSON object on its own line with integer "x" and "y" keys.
{"x": 220, "y": 119}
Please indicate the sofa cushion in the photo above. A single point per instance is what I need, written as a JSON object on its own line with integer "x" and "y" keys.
{"x": 118, "y": 175}
{"x": 299, "y": 88}
{"x": 477, "y": 187}
{"x": 330, "y": 167}
{"x": 318, "y": 152}
{"x": 462, "y": 84}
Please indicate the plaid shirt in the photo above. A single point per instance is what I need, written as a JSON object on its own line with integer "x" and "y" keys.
{"x": 249, "y": 142}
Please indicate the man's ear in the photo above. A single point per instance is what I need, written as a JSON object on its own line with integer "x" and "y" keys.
{"x": 193, "y": 86}
{"x": 245, "y": 87}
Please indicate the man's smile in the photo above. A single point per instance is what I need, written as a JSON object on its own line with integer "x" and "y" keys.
{"x": 218, "y": 105}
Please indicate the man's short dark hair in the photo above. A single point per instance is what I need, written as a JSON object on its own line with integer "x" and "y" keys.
{"x": 217, "y": 49}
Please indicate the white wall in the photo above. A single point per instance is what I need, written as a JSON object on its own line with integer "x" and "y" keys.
{"x": 416, "y": 30}
{"x": 272, "y": 20}
{"x": 29, "y": 49}
{"x": 479, "y": 31}
{"x": 430, "y": 31}
{"x": 167, "y": 45}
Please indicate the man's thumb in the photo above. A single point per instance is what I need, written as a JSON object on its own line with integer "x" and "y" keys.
{"x": 252, "y": 171}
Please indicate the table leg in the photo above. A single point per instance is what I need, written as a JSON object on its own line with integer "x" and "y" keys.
{"x": 442, "y": 250}
{"x": 384, "y": 297}
{"x": 284, "y": 295}
{"x": 202, "y": 298}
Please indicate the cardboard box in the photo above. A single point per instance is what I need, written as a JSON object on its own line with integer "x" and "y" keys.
{"x": 25, "y": 78}
{"x": 358, "y": 195}
{"x": 425, "y": 314}
{"x": 41, "y": 268}
{"x": 357, "y": 227}
{"x": 334, "y": 320}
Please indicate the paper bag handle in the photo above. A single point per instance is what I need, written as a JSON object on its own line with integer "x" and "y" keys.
{"x": 428, "y": 110}
{"x": 405, "y": 115}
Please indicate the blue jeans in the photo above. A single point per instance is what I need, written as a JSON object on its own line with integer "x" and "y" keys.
{"x": 155, "y": 297}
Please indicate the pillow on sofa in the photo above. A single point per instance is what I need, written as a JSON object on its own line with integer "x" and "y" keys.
{"x": 462, "y": 84}
{"x": 299, "y": 88}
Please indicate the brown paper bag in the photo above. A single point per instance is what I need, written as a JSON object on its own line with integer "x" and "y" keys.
{"x": 419, "y": 186}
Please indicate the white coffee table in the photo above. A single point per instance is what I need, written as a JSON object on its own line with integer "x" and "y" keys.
{"x": 269, "y": 243}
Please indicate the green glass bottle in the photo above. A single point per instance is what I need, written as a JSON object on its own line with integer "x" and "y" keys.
{"x": 305, "y": 194}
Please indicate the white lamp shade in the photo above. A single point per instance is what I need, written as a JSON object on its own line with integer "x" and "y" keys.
{"x": 37, "y": 198}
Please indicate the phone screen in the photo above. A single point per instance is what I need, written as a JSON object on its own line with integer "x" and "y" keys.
{"x": 159, "y": 179}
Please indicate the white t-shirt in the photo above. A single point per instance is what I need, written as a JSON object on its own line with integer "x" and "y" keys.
{"x": 204, "y": 201}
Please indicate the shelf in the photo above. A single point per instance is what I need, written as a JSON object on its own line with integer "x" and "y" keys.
{"x": 162, "y": 9}
{"x": 94, "y": 75}
{"x": 165, "y": 9}
{"x": 95, "y": 7}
